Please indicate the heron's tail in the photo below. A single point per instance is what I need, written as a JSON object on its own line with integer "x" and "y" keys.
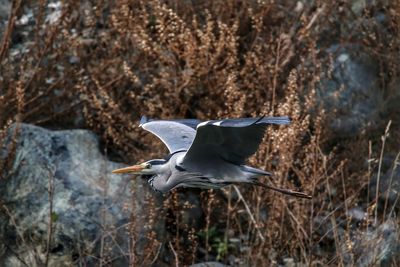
{"x": 283, "y": 190}
{"x": 253, "y": 172}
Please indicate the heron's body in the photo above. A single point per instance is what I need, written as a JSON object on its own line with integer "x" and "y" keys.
{"x": 173, "y": 173}
{"x": 209, "y": 154}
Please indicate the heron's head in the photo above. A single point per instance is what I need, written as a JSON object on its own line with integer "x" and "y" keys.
{"x": 153, "y": 166}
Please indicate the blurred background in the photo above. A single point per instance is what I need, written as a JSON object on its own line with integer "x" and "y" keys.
{"x": 76, "y": 76}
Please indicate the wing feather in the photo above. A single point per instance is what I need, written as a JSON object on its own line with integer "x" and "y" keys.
{"x": 176, "y": 135}
{"x": 233, "y": 140}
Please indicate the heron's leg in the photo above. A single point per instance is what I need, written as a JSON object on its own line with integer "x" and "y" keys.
{"x": 283, "y": 190}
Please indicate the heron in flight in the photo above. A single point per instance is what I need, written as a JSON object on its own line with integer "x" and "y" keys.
{"x": 208, "y": 154}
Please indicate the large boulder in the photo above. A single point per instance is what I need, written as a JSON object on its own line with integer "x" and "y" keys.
{"x": 60, "y": 178}
{"x": 375, "y": 247}
{"x": 389, "y": 186}
{"x": 351, "y": 91}
{"x": 208, "y": 264}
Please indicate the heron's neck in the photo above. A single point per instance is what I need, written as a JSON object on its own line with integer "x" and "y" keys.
{"x": 159, "y": 168}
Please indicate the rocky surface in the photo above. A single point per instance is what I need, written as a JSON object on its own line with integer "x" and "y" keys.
{"x": 389, "y": 186}
{"x": 351, "y": 90}
{"x": 61, "y": 176}
{"x": 5, "y": 8}
{"x": 208, "y": 264}
{"x": 376, "y": 247}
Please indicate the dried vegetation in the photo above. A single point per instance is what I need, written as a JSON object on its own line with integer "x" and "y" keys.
{"x": 102, "y": 65}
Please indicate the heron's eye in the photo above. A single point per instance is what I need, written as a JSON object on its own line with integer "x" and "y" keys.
{"x": 148, "y": 166}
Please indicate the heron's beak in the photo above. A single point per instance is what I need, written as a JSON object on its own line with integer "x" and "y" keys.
{"x": 133, "y": 169}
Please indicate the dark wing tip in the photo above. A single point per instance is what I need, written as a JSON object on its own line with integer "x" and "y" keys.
{"x": 284, "y": 120}
{"x": 278, "y": 119}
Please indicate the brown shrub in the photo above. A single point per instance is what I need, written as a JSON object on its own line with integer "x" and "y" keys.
{"x": 108, "y": 63}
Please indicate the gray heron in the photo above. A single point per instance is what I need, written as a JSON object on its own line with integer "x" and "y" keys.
{"x": 208, "y": 154}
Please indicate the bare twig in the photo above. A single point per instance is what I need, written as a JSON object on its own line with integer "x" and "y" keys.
{"x": 16, "y": 255}
{"x": 390, "y": 183}
{"x": 379, "y": 170}
{"x": 175, "y": 254}
{"x": 19, "y": 233}
{"x": 314, "y": 18}
{"x": 249, "y": 212}
{"x": 298, "y": 224}
{"x": 10, "y": 27}
{"x": 50, "y": 191}
{"x": 369, "y": 171}
{"x": 156, "y": 256}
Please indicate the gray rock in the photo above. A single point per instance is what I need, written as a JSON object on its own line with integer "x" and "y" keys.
{"x": 91, "y": 208}
{"x": 5, "y": 9}
{"x": 352, "y": 91}
{"x": 290, "y": 262}
{"x": 378, "y": 247}
{"x": 356, "y": 214}
{"x": 323, "y": 227}
{"x": 208, "y": 264}
{"x": 389, "y": 188}
{"x": 191, "y": 210}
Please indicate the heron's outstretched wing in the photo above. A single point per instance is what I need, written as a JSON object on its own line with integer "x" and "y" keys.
{"x": 176, "y": 135}
{"x": 233, "y": 140}
{"x": 192, "y": 123}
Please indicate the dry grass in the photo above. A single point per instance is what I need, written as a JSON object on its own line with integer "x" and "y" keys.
{"x": 103, "y": 65}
